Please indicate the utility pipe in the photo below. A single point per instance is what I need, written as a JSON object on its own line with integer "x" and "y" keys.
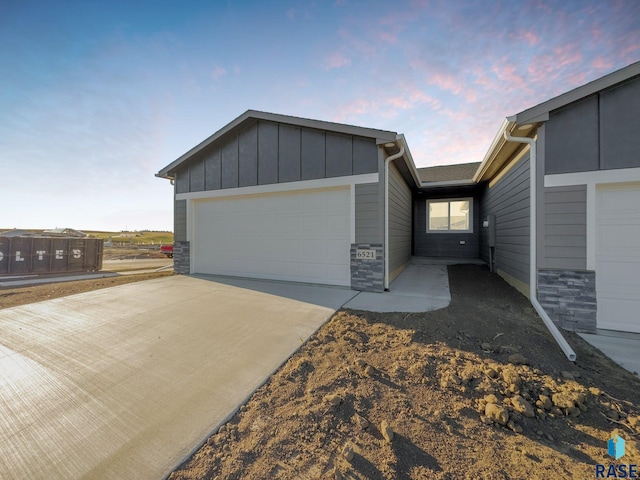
{"x": 386, "y": 214}
{"x": 533, "y": 297}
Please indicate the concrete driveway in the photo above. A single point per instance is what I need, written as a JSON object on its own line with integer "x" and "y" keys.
{"x": 125, "y": 382}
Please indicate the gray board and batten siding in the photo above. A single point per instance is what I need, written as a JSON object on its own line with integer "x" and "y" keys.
{"x": 368, "y": 221}
{"x": 564, "y": 231}
{"x": 180, "y": 221}
{"x": 599, "y": 132}
{"x": 400, "y": 231}
{"x": 508, "y": 200}
{"x": 268, "y": 152}
{"x": 445, "y": 244}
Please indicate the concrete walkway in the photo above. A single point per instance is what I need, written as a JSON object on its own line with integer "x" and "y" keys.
{"x": 421, "y": 287}
{"x": 621, "y": 347}
{"x": 125, "y": 382}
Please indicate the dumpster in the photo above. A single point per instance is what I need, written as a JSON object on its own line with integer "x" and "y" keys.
{"x": 21, "y": 255}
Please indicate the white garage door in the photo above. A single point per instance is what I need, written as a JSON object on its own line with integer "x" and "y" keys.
{"x": 618, "y": 257}
{"x": 301, "y": 236}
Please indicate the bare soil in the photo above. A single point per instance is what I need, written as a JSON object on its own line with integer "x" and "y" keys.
{"x": 478, "y": 390}
{"x": 132, "y": 253}
{"x": 14, "y": 296}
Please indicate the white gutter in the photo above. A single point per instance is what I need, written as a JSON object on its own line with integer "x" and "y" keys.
{"x": 386, "y": 214}
{"x": 533, "y": 297}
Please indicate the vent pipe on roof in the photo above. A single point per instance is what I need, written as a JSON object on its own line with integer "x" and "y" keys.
{"x": 533, "y": 280}
{"x": 386, "y": 214}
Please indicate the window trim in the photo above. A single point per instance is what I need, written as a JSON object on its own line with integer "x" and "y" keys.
{"x": 449, "y": 200}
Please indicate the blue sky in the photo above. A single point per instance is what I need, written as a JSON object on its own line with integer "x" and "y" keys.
{"x": 96, "y": 97}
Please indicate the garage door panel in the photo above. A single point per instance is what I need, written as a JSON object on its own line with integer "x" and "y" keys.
{"x": 618, "y": 257}
{"x": 619, "y": 314}
{"x": 301, "y": 236}
{"x": 617, "y": 274}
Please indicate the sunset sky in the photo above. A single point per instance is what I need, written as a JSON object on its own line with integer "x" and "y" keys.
{"x": 96, "y": 97}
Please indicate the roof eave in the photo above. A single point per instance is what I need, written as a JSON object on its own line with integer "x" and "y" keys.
{"x": 379, "y": 135}
{"x": 409, "y": 160}
{"x": 449, "y": 183}
{"x": 540, "y": 112}
{"x": 496, "y": 145}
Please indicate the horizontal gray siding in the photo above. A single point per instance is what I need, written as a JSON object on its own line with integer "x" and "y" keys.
{"x": 508, "y": 200}
{"x": 367, "y": 214}
{"x": 268, "y": 152}
{"x": 445, "y": 244}
{"x": 565, "y": 228}
{"x": 596, "y": 133}
{"x": 399, "y": 222}
{"x": 180, "y": 221}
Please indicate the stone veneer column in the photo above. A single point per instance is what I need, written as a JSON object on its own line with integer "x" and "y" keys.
{"x": 569, "y": 297}
{"x": 181, "y": 258}
{"x": 367, "y": 274}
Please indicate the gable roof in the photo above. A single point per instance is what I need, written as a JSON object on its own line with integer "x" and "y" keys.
{"x": 459, "y": 173}
{"x": 250, "y": 116}
{"x": 540, "y": 113}
{"x": 526, "y": 123}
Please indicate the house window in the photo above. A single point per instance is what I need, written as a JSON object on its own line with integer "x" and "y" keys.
{"x": 454, "y": 215}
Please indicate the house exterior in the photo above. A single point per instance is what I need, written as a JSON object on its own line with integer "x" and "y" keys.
{"x": 586, "y": 256}
{"x": 278, "y": 197}
{"x": 554, "y": 206}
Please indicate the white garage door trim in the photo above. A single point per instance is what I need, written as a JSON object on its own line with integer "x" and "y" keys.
{"x": 301, "y": 235}
{"x": 618, "y": 256}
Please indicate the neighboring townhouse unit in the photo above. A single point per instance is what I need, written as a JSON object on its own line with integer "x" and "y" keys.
{"x": 586, "y": 260}
{"x": 554, "y": 207}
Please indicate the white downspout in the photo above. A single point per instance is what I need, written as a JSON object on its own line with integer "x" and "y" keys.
{"x": 386, "y": 214}
{"x": 533, "y": 281}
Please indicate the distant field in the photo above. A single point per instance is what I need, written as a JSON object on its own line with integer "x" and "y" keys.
{"x": 135, "y": 238}
{"x": 130, "y": 238}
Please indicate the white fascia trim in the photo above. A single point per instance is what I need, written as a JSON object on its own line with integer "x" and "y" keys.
{"x": 409, "y": 160}
{"x": 620, "y": 175}
{"x": 190, "y": 226}
{"x": 591, "y": 180}
{"x": 497, "y": 143}
{"x": 282, "y": 187}
{"x": 448, "y": 183}
{"x": 352, "y": 212}
{"x": 592, "y": 231}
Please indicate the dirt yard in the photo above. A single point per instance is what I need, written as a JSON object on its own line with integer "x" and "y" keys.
{"x": 478, "y": 390}
{"x": 14, "y": 296}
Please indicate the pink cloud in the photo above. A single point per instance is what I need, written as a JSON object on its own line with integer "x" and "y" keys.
{"x": 567, "y": 54}
{"x": 445, "y": 82}
{"x": 354, "y": 108}
{"x": 508, "y": 74}
{"x": 528, "y": 36}
{"x": 601, "y": 63}
{"x": 336, "y": 60}
{"x": 401, "y": 103}
{"x": 577, "y": 79}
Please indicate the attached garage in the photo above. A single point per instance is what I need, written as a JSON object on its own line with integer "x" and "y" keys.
{"x": 277, "y": 197}
{"x": 618, "y": 256}
{"x": 301, "y": 236}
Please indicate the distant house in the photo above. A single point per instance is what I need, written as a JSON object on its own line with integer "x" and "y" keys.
{"x": 64, "y": 232}
{"x": 280, "y": 197}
